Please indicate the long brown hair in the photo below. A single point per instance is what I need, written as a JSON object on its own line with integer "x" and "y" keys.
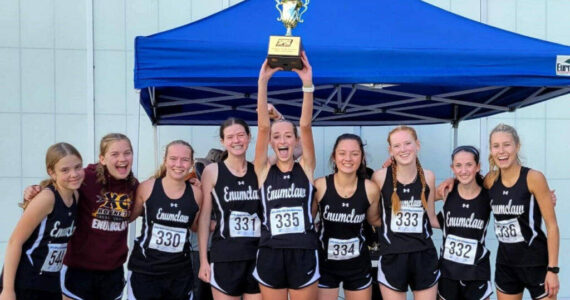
{"x": 104, "y": 145}
{"x": 494, "y": 171}
{"x": 161, "y": 172}
{"x": 53, "y": 155}
{"x": 361, "y": 172}
{"x": 396, "y": 205}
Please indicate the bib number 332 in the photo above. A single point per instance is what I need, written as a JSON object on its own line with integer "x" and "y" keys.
{"x": 287, "y": 220}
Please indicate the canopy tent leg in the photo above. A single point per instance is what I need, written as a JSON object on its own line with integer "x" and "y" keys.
{"x": 455, "y": 125}
{"x": 155, "y": 143}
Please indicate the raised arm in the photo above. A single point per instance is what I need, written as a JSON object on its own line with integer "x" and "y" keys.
{"x": 263, "y": 123}
{"x": 36, "y": 211}
{"x": 308, "y": 160}
{"x": 539, "y": 188}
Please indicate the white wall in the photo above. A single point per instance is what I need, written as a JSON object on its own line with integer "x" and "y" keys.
{"x": 44, "y": 79}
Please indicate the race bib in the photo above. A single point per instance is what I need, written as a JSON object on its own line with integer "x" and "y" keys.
{"x": 167, "y": 239}
{"x": 407, "y": 220}
{"x": 54, "y": 258}
{"x": 243, "y": 224}
{"x": 460, "y": 250}
{"x": 343, "y": 249}
{"x": 287, "y": 220}
{"x": 508, "y": 231}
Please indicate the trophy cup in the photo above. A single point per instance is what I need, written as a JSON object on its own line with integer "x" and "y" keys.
{"x": 285, "y": 51}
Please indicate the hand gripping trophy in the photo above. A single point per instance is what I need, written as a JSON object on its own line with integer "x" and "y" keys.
{"x": 285, "y": 51}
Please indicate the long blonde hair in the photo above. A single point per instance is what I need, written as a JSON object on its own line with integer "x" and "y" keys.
{"x": 494, "y": 171}
{"x": 161, "y": 172}
{"x": 396, "y": 205}
{"x": 54, "y": 154}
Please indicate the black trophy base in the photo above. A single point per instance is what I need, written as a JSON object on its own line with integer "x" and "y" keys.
{"x": 288, "y": 63}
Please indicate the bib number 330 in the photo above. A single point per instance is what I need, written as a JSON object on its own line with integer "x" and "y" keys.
{"x": 287, "y": 220}
{"x": 167, "y": 239}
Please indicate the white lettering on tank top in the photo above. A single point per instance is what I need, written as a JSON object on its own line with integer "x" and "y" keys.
{"x": 177, "y": 217}
{"x": 249, "y": 194}
{"x": 109, "y": 225}
{"x": 470, "y": 222}
{"x": 290, "y": 192}
{"x": 509, "y": 209}
{"x": 352, "y": 217}
{"x": 57, "y": 232}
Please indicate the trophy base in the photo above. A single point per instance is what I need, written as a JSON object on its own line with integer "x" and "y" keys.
{"x": 288, "y": 63}
{"x": 285, "y": 52}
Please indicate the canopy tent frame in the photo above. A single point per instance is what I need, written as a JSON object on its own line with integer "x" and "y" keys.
{"x": 343, "y": 108}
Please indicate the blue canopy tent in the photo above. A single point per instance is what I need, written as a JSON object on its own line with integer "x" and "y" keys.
{"x": 375, "y": 62}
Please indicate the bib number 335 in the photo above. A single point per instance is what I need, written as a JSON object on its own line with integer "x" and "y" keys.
{"x": 287, "y": 220}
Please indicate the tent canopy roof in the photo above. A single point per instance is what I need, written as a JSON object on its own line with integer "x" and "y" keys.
{"x": 375, "y": 62}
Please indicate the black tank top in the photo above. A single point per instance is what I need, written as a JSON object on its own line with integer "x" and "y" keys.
{"x": 518, "y": 224}
{"x": 43, "y": 252}
{"x": 287, "y": 199}
{"x": 408, "y": 230}
{"x": 236, "y": 204}
{"x": 464, "y": 227}
{"x": 342, "y": 227}
{"x": 164, "y": 246}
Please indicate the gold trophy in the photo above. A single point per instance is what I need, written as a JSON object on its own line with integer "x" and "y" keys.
{"x": 285, "y": 51}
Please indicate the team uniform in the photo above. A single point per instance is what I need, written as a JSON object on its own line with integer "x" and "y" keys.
{"x": 93, "y": 264}
{"x": 344, "y": 254}
{"x": 37, "y": 276}
{"x": 287, "y": 255}
{"x": 464, "y": 262}
{"x": 522, "y": 257}
{"x": 160, "y": 265}
{"x": 407, "y": 253}
{"x": 236, "y": 205}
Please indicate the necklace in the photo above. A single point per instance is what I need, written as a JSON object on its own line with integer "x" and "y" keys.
{"x": 345, "y": 191}
{"x": 237, "y": 172}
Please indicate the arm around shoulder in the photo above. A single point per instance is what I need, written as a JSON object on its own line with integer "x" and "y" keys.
{"x": 143, "y": 192}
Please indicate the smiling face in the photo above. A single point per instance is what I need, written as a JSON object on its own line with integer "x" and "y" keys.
{"x": 347, "y": 156}
{"x": 465, "y": 167}
{"x": 504, "y": 149}
{"x": 118, "y": 158}
{"x": 178, "y": 161}
{"x": 235, "y": 139}
{"x": 403, "y": 146}
{"x": 68, "y": 172}
{"x": 283, "y": 140}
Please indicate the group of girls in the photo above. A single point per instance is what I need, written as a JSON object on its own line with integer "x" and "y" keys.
{"x": 266, "y": 242}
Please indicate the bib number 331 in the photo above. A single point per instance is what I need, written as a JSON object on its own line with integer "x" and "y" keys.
{"x": 287, "y": 220}
{"x": 243, "y": 224}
